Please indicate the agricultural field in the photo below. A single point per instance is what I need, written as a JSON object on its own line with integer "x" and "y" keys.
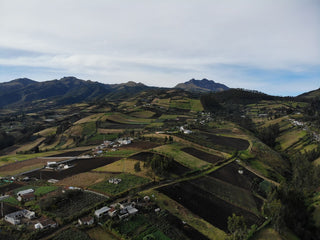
{"x": 209, "y": 207}
{"x": 185, "y": 159}
{"x": 76, "y": 204}
{"x": 77, "y": 166}
{"x": 128, "y": 181}
{"x": 84, "y": 180}
{"x": 202, "y": 155}
{"x": 175, "y": 167}
{"x": 98, "y": 233}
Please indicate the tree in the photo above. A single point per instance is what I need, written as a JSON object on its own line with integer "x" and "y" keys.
{"x": 237, "y": 227}
{"x": 137, "y": 167}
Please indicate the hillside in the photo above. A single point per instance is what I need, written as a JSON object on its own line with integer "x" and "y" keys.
{"x": 203, "y": 85}
{"x": 67, "y": 90}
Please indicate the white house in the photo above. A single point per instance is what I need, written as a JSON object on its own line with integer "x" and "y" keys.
{"x": 15, "y": 217}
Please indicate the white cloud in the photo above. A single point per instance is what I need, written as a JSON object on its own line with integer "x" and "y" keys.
{"x": 162, "y": 41}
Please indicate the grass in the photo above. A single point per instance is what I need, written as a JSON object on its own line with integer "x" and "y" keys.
{"x": 84, "y": 180}
{"x": 31, "y": 145}
{"x": 40, "y": 191}
{"x": 269, "y": 233}
{"x": 11, "y": 200}
{"x": 20, "y": 157}
{"x": 120, "y": 153}
{"x": 91, "y": 118}
{"x": 162, "y": 102}
{"x": 142, "y": 114}
{"x": 89, "y": 128}
{"x": 126, "y": 119}
{"x": 128, "y": 181}
{"x": 125, "y": 165}
{"x": 291, "y": 137}
{"x": 185, "y": 215}
{"x": 47, "y": 132}
{"x": 196, "y": 105}
{"x": 174, "y": 150}
{"x": 181, "y": 104}
{"x": 98, "y": 233}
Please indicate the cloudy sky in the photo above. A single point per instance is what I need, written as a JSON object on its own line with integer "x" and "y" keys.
{"x": 268, "y": 45}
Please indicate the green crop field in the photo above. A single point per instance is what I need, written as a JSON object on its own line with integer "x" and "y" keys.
{"x": 128, "y": 182}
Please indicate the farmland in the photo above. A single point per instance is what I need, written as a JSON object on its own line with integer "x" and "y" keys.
{"x": 128, "y": 182}
{"x": 200, "y": 201}
{"x": 136, "y": 150}
{"x": 78, "y": 166}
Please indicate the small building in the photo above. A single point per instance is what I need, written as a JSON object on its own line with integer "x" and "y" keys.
{"x": 26, "y": 197}
{"x": 15, "y": 217}
{"x": 112, "y": 212}
{"x": 23, "y": 192}
{"x": 45, "y": 223}
{"x": 123, "y": 213}
{"x": 88, "y": 220}
{"x": 115, "y": 180}
{"x": 102, "y": 211}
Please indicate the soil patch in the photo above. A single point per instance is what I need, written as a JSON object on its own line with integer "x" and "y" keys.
{"x": 204, "y": 204}
{"x": 234, "y": 143}
{"x": 9, "y": 187}
{"x": 185, "y": 228}
{"x": 140, "y": 145}
{"x": 202, "y": 155}
{"x": 70, "y": 154}
{"x": 247, "y": 180}
{"x": 9, "y": 209}
{"x": 78, "y": 166}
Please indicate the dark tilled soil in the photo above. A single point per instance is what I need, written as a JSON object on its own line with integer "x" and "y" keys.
{"x": 185, "y": 228}
{"x": 79, "y": 166}
{"x": 9, "y": 187}
{"x": 9, "y": 209}
{"x": 202, "y": 155}
{"x": 206, "y": 205}
{"x": 234, "y": 143}
{"x": 230, "y": 174}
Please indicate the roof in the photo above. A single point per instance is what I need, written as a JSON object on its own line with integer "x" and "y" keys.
{"x": 23, "y": 192}
{"x": 86, "y": 219}
{"x": 102, "y": 210}
{"x": 46, "y": 222}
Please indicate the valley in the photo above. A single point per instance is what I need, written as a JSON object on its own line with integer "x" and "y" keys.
{"x": 167, "y": 163}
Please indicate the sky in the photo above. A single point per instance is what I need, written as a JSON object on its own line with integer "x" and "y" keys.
{"x": 272, "y": 46}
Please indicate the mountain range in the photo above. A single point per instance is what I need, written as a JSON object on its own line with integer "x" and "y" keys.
{"x": 70, "y": 90}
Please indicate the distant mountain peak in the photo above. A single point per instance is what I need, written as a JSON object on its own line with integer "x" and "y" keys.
{"x": 203, "y": 85}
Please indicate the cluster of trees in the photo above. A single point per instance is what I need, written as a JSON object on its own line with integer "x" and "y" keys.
{"x": 159, "y": 164}
{"x": 51, "y": 203}
{"x": 289, "y": 205}
{"x": 269, "y": 134}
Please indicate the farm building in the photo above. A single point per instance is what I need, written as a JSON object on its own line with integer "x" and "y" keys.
{"x": 15, "y": 217}
{"x": 45, "y": 223}
{"x": 23, "y": 192}
{"x": 88, "y": 220}
{"x": 102, "y": 211}
{"x": 112, "y": 212}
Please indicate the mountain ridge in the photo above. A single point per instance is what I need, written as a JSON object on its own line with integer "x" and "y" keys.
{"x": 203, "y": 85}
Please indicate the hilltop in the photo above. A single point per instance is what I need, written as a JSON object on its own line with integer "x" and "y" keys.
{"x": 203, "y": 85}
